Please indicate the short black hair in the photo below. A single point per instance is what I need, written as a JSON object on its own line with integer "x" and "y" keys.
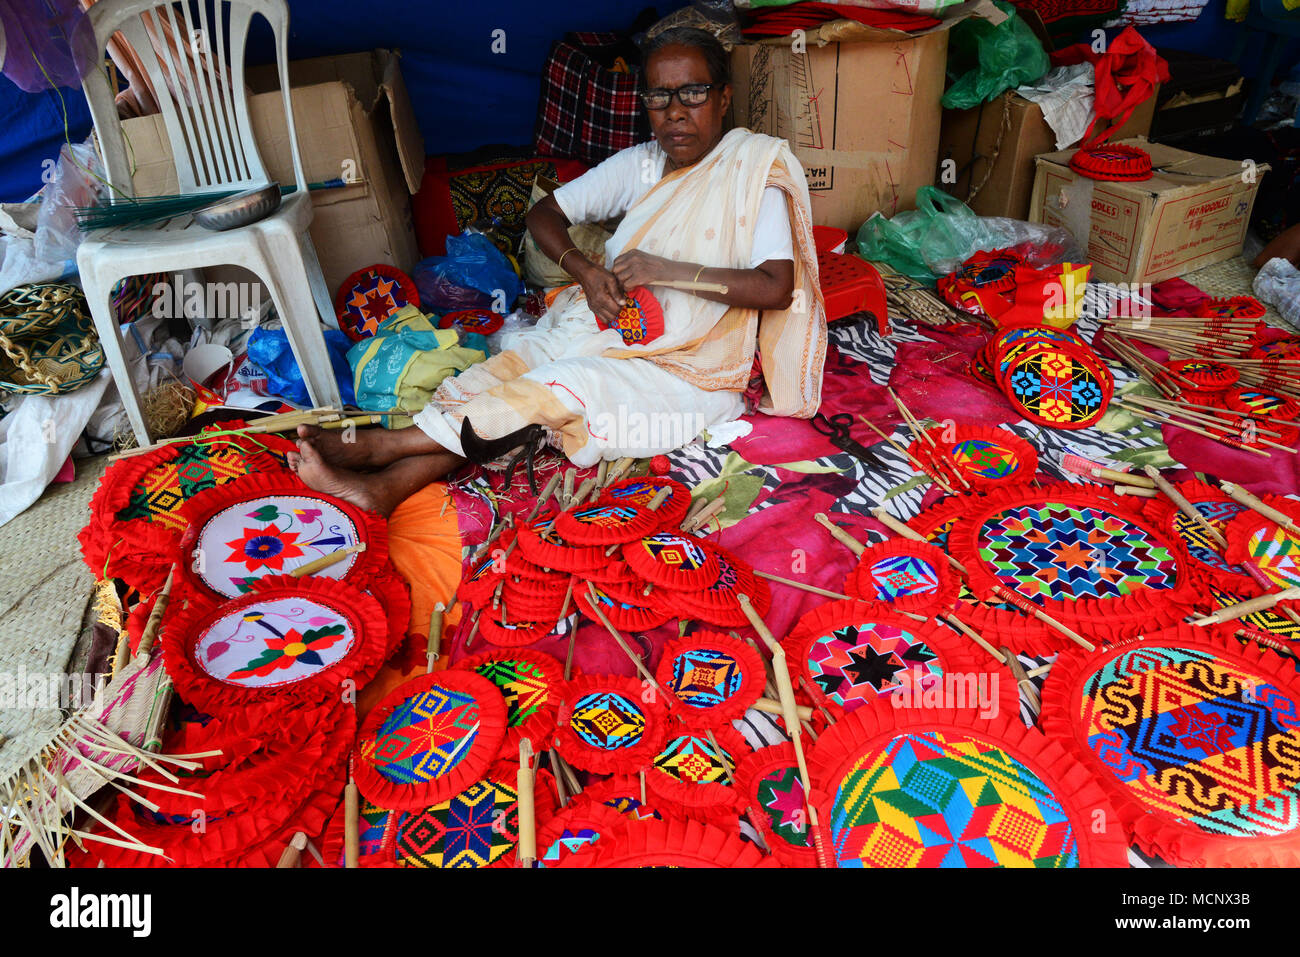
{"x": 715, "y": 56}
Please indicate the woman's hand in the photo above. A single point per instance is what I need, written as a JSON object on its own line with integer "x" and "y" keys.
{"x": 605, "y": 294}
{"x": 638, "y": 268}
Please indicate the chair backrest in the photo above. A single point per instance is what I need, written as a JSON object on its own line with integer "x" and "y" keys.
{"x": 193, "y": 53}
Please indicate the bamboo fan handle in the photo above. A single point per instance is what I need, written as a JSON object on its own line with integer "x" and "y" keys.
{"x": 1029, "y": 608}
{"x": 841, "y": 536}
{"x": 351, "y": 825}
{"x": 768, "y": 706}
{"x": 659, "y": 498}
{"x": 156, "y": 616}
{"x": 433, "y": 647}
{"x": 1242, "y": 497}
{"x": 718, "y": 287}
{"x": 570, "y": 476}
{"x": 1243, "y": 608}
{"x": 325, "y": 561}
{"x": 902, "y": 530}
{"x": 1135, "y": 491}
{"x": 527, "y": 811}
{"x": 547, "y": 491}
{"x": 584, "y": 490}
{"x": 813, "y": 589}
{"x": 1131, "y": 478}
{"x": 1184, "y": 506}
{"x": 292, "y": 856}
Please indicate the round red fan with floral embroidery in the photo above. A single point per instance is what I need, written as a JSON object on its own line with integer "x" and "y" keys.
{"x": 1087, "y": 561}
{"x": 289, "y": 641}
{"x": 769, "y": 785}
{"x": 270, "y": 524}
{"x": 429, "y": 739}
{"x": 986, "y": 457}
{"x": 910, "y": 576}
{"x": 947, "y": 788}
{"x": 610, "y": 724}
{"x": 853, "y": 653}
{"x": 715, "y": 677}
{"x": 1192, "y": 735}
{"x": 640, "y": 492}
{"x": 697, "y": 770}
{"x": 674, "y": 843}
{"x": 531, "y": 684}
{"x": 135, "y": 526}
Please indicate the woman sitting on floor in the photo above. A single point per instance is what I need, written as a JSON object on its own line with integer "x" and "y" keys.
{"x": 697, "y": 206}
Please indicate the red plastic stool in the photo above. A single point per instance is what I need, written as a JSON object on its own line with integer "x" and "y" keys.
{"x": 851, "y": 285}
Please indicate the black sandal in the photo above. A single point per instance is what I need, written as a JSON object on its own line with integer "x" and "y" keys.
{"x": 529, "y": 440}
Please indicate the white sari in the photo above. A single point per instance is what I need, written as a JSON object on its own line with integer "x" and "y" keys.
{"x": 601, "y": 397}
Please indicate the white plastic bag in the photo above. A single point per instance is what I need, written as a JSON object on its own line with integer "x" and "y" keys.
{"x": 1278, "y": 284}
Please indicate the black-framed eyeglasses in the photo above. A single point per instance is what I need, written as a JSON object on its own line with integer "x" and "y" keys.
{"x": 693, "y": 94}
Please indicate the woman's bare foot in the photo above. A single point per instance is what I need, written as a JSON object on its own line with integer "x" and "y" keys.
{"x": 347, "y": 448}
{"x": 316, "y": 473}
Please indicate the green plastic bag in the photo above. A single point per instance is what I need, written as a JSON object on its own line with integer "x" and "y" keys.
{"x": 941, "y": 227}
{"x": 988, "y": 60}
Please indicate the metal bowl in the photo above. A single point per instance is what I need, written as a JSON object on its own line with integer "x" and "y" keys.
{"x": 240, "y": 209}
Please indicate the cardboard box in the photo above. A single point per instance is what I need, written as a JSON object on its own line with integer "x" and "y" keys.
{"x": 354, "y": 122}
{"x": 973, "y": 139}
{"x": 861, "y": 116}
{"x": 1193, "y": 212}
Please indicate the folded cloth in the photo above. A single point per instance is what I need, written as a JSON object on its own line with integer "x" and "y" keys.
{"x": 785, "y": 20}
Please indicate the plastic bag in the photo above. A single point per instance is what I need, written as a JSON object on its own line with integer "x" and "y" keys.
{"x": 76, "y": 182}
{"x": 988, "y": 60}
{"x": 1278, "y": 283}
{"x": 269, "y": 348}
{"x": 943, "y": 232}
{"x": 473, "y": 275}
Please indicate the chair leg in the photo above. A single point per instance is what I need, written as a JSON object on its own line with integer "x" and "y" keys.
{"x": 99, "y": 297}
{"x": 285, "y": 275}
{"x": 320, "y": 290}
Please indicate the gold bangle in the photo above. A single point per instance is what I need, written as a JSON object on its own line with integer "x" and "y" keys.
{"x": 700, "y": 273}
{"x": 571, "y": 249}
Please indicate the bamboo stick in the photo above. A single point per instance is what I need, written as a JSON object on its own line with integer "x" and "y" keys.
{"x": 433, "y": 646}
{"x": 768, "y": 706}
{"x": 527, "y": 847}
{"x": 1153, "y": 416}
{"x": 325, "y": 561}
{"x": 915, "y": 462}
{"x": 839, "y": 534}
{"x": 154, "y": 622}
{"x": 547, "y": 491}
{"x": 1184, "y": 506}
{"x": 1243, "y": 608}
{"x": 292, "y": 856}
{"x": 1242, "y": 497}
{"x": 1131, "y": 478}
{"x": 1022, "y": 680}
{"x": 690, "y": 286}
{"x": 800, "y": 585}
{"x": 705, "y": 515}
{"x": 1135, "y": 491}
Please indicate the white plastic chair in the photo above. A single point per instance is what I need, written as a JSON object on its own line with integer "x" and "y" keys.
{"x": 205, "y": 111}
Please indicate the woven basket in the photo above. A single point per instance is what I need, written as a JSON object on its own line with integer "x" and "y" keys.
{"x": 60, "y": 361}
{"x": 33, "y": 310}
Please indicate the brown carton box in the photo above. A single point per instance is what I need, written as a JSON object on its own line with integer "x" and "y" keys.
{"x": 354, "y": 123}
{"x": 861, "y": 116}
{"x": 1193, "y": 212}
{"x": 973, "y": 139}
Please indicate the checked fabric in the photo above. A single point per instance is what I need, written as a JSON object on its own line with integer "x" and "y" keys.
{"x": 424, "y": 737}
{"x": 1197, "y": 739}
{"x": 944, "y": 800}
{"x": 1065, "y": 552}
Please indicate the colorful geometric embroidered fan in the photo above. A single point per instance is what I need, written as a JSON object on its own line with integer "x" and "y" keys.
{"x": 986, "y": 457}
{"x": 718, "y": 604}
{"x": 514, "y": 634}
{"x": 769, "y": 786}
{"x": 1195, "y": 738}
{"x": 1234, "y": 307}
{"x": 1255, "y": 402}
{"x": 853, "y": 653}
{"x": 478, "y": 827}
{"x": 543, "y": 546}
{"x": 135, "y": 525}
{"x": 1086, "y": 560}
{"x": 630, "y": 796}
{"x": 694, "y": 771}
{"x": 270, "y": 524}
{"x": 606, "y": 523}
{"x": 910, "y": 576}
{"x": 641, "y": 318}
{"x": 946, "y": 788}
{"x": 716, "y": 677}
{"x": 624, "y": 615}
{"x": 1268, "y": 627}
{"x": 639, "y": 492}
{"x": 674, "y": 843}
{"x": 483, "y": 321}
{"x": 1270, "y": 548}
{"x": 1204, "y": 375}
{"x": 610, "y": 724}
{"x": 674, "y": 560}
{"x": 1207, "y": 560}
{"x": 531, "y": 684}
{"x": 1059, "y": 385}
{"x": 429, "y": 739}
{"x": 369, "y": 296}
{"x": 582, "y": 822}
{"x": 288, "y": 642}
